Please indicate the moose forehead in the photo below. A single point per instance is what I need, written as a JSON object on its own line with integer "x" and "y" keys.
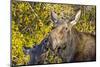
{"x": 61, "y": 23}
{"x": 63, "y": 26}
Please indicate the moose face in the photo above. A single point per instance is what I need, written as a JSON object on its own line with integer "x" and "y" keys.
{"x": 36, "y": 52}
{"x": 62, "y": 29}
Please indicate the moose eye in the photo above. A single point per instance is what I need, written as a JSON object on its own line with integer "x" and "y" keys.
{"x": 66, "y": 28}
{"x": 53, "y": 27}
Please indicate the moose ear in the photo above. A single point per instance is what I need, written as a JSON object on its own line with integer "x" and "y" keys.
{"x": 26, "y": 50}
{"x": 54, "y": 17}
{"x": 77, "y": 17}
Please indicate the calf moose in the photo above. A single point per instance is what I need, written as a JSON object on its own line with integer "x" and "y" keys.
{"x": 68, "y": 43}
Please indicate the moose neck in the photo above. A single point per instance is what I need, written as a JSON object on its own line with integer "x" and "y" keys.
{"x": 71, "y": 45}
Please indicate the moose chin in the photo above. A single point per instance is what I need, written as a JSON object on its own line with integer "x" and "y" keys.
{"x": 66, "y": 42}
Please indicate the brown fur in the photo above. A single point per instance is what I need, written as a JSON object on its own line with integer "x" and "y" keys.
{"x": 66, "y": 42}
{"x": 74, "y": 45}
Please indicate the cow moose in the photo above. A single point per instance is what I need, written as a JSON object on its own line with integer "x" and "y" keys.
{"x": 66, "y": 42}
{"x": 79, "y": 46}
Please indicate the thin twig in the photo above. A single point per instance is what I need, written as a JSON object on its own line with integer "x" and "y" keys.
{"x": 34, "y": 11}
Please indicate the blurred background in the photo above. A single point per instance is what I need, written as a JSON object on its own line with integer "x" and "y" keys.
{"x": 31, "y": 22}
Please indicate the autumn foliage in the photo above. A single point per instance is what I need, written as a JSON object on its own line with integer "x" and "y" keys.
{"x": 31, "y": 23}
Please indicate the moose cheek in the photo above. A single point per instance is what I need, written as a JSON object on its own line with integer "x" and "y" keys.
{"x": 61, "y": 34}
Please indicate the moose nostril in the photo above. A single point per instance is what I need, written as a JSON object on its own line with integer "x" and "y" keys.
{"x": 53, "y": 27}
{"x": 66, "y": 28}
{"x": 46, "y": 40}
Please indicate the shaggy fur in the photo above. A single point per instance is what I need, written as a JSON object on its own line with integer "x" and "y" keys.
{"x": 66, "y": 42}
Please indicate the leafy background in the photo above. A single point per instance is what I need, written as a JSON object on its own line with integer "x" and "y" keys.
{"x": 31, "y": 23}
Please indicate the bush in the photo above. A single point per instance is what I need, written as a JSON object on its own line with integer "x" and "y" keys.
{"x": 31, "y": 23}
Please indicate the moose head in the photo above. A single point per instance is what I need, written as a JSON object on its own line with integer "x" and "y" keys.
{"x": 37, "y": 52}
{"x": 61, "y": 33}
